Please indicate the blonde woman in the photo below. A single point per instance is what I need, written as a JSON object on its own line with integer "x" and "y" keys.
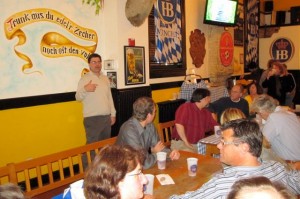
{"x": 231, "y": 114}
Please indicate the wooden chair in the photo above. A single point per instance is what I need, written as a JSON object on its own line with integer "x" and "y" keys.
{"x": 165, "y": 131}
{"x": 66, "y": 164}
{"x": 6, "y": 175}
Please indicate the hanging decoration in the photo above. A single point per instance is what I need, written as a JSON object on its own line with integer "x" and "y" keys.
{"x": 137, "y": 11}
{"x": 98, "y": 3}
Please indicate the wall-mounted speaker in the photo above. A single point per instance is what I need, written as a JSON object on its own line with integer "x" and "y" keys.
{"x": 295, "y": 15}
{"x": 269, "y": 6}
{"x": 280, "y": 17}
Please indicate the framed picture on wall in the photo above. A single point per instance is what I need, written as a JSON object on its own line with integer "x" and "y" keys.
{"x": 167, "y": 46}
{"x": 112, "y": 76}
{"x": 251, "y": 32}
{"x": 134, "y": 65}
{"x": 238, "y": 30}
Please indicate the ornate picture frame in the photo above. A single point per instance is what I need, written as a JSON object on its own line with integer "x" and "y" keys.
{"x": 134, "y": 59}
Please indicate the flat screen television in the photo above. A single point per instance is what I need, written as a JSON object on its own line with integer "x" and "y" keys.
{"x": 221, "y": 12}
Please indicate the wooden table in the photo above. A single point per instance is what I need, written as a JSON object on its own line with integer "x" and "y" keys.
{"x": 177, "y": 169}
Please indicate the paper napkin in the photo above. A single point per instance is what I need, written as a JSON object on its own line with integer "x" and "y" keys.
{"x": 165, "y": 179}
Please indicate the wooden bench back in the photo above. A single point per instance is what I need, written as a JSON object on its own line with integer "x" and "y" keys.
{"x": 165, "y": 132}
{"x": 43, "y": 167}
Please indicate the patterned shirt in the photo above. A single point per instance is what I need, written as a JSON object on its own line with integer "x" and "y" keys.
{"x": 220, "y": 185}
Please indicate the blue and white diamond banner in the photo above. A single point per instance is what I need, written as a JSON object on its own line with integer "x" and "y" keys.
{"x": 168, "y": 33}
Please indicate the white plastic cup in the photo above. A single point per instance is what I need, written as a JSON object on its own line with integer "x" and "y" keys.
{"x": 218, "y": 132}
{"x": 192, "y": 166}
{"x": 148, "y": 188}
{"x": 161, "y": 160}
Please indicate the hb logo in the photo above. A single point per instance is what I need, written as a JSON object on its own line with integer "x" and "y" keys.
{"x": 167, "y": 10}
{"x": 282, "y": 49}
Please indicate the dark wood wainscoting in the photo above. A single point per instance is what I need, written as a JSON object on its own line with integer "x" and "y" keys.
{"x": 123, "y": 100}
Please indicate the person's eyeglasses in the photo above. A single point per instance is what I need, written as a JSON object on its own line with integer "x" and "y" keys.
{"x": 139, "y": 173}
{"x": 96, "y": 62}
{"x": 234, "y": 142}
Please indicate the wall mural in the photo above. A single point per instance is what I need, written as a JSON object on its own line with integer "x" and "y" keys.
{"x": 44, "y": 48}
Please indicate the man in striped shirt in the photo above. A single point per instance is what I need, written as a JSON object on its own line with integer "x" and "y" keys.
{"x": 240, "y": 148}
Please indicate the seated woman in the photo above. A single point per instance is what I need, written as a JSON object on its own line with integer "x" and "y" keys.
{"x": 253, "y": 90}
{"x": 116, "y": 172}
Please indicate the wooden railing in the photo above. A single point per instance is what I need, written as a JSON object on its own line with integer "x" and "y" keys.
{"x": 41, "y": 171}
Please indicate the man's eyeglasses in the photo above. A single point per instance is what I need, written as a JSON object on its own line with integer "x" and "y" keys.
{"x": 96, "y": 62}
{"x": 234, "y": 142}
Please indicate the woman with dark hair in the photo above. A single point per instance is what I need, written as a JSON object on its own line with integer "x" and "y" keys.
{"x": 116, "y": 172}
{"x": 253, "y": 90}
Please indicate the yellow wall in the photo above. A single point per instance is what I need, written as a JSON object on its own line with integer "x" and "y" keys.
{"x": 35, "y": 131}
{"x": 40, "y": 130}
{"x": 163, "y": 95}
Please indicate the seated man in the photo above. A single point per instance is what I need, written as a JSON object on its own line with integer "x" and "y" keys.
{"x": 240, "y": 148}
{"x": 235, "y": 100}
{"x": 281, "y": 129}
{"x": 140, "y": 132}
{"x": 192, "y": 120}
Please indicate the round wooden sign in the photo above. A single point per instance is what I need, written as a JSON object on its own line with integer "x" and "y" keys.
{"x": 226, "y": 49}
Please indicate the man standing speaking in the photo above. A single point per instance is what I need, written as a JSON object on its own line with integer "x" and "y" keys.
{"x": 98, "y": 107}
